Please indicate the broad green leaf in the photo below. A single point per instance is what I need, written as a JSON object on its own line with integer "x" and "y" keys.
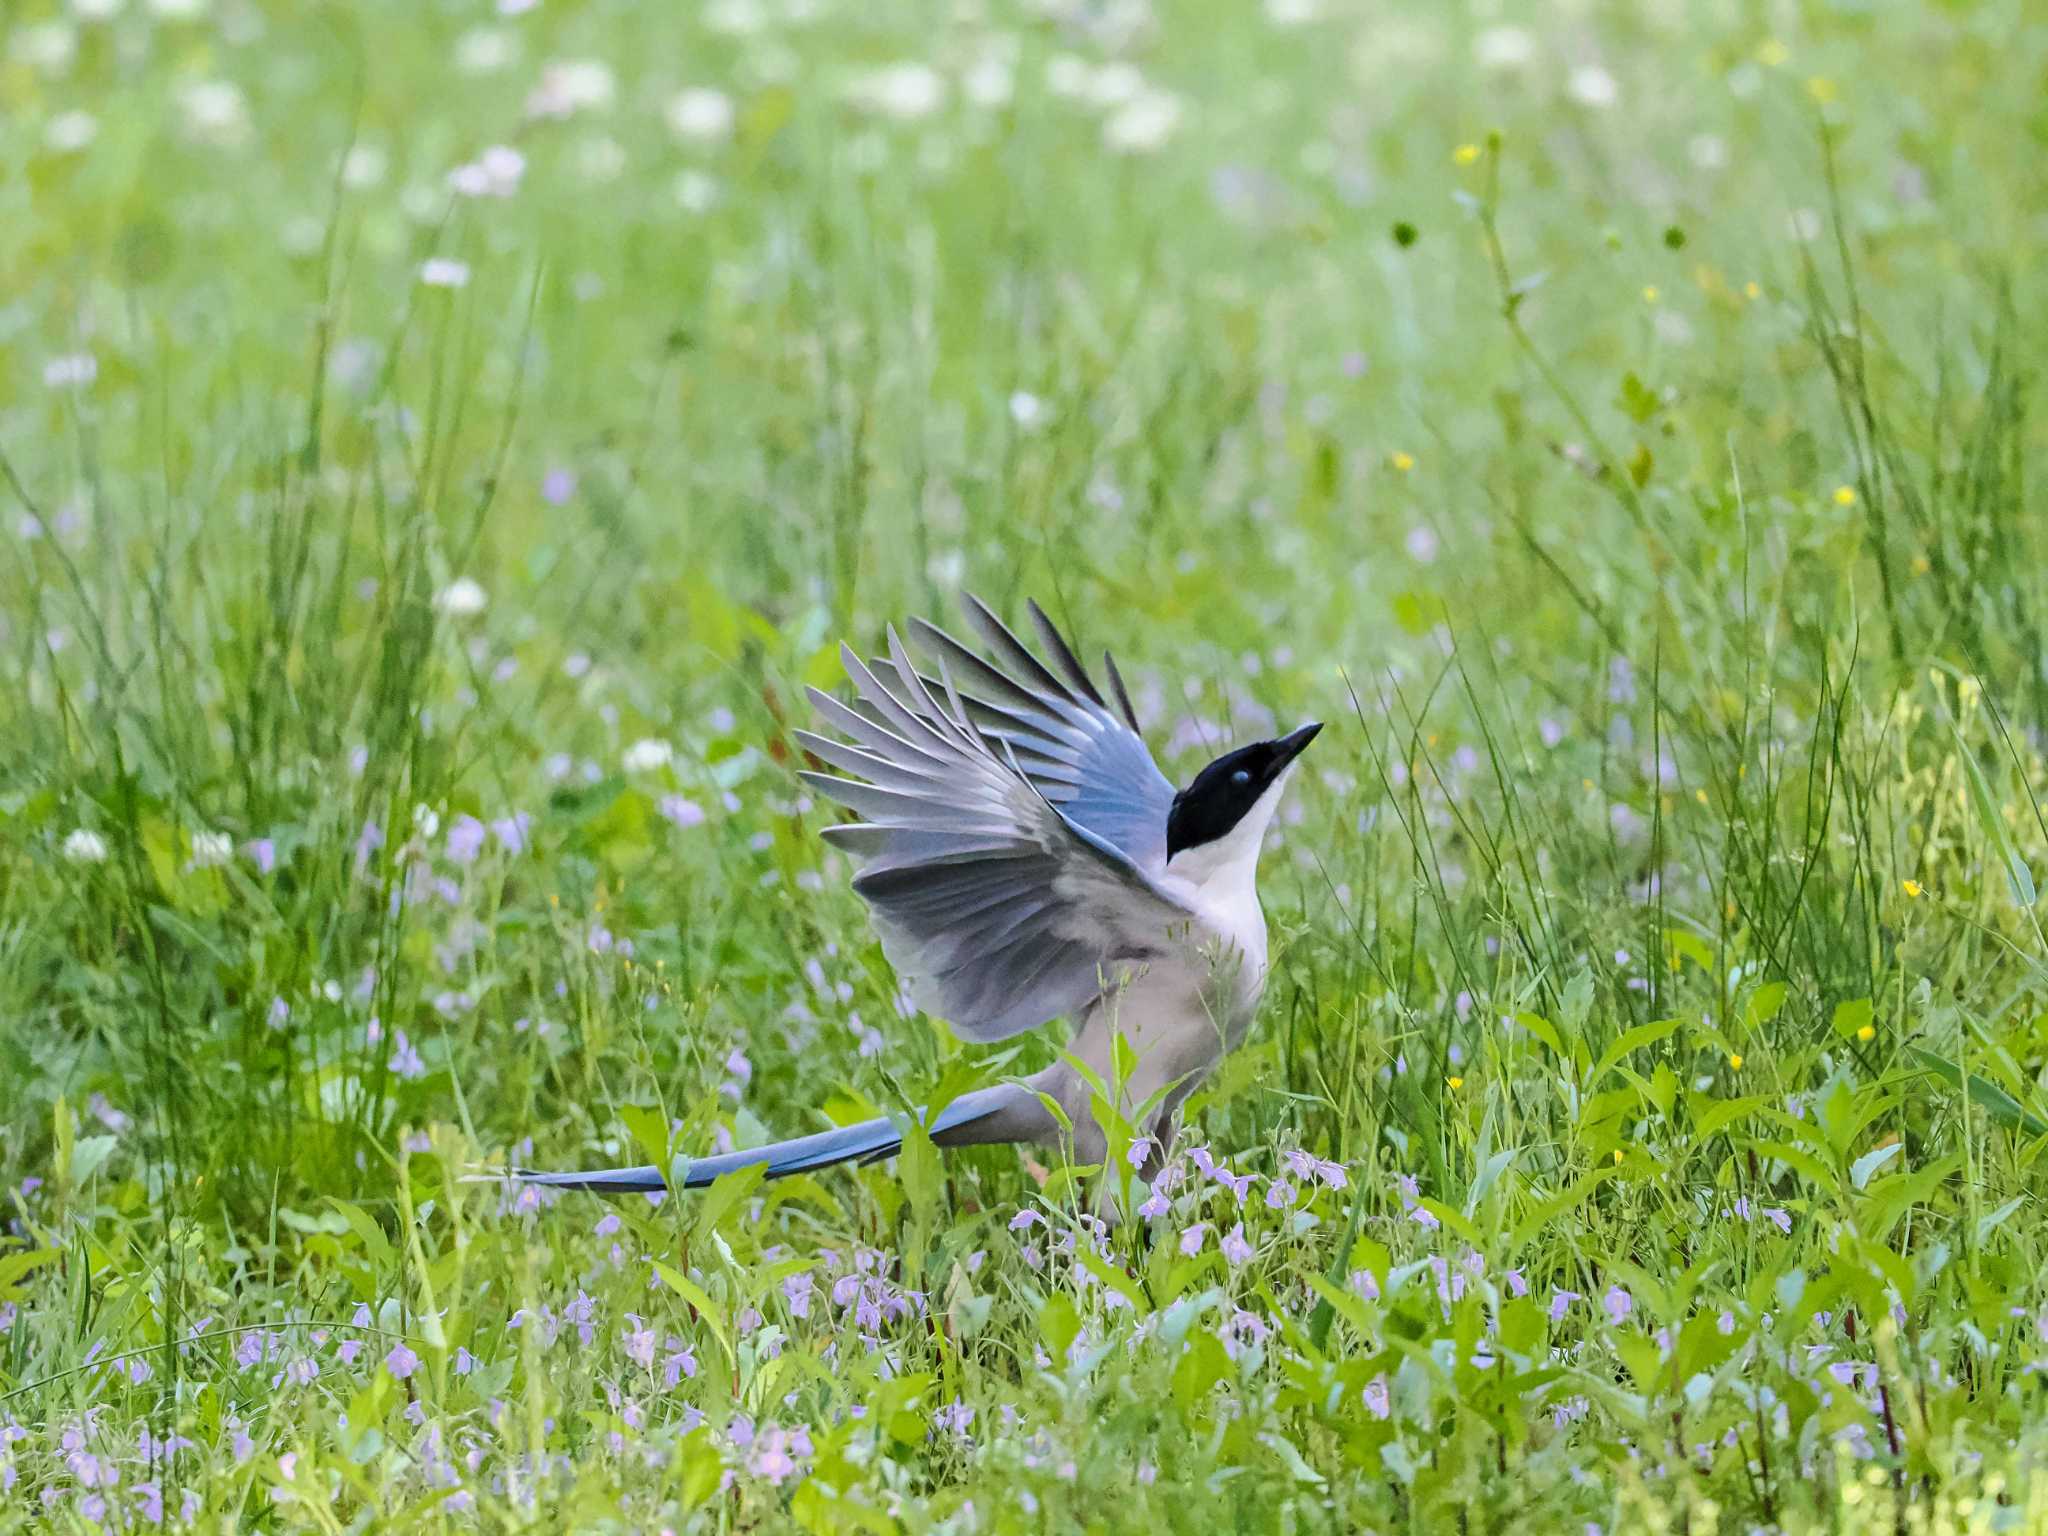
{"x": 1630, "y": 1041}
{"x": 1861, "y": 1171}
{"x": 1994, "y": 1100}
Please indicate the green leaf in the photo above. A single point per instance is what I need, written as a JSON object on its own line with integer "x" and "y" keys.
{"x": 1861, "y": 1171}
{"x": 709, "y": 1311}
{"x": 1852, "y": 1016}
{"x": 367, "y": 1232}
{"x": 649, "y": 1128}
{"x": 2018, "y": 876}
{"x": 1994, "y": 1100}
{"x": 724, "y": 1196}
{"x": 1630, "y": 1041}
{"x": 1542, "y": 1029}
{"x": 1058, "y": 1325}
{"x": 1724, "y": 1113}
{"x": 1763, "y": 1005}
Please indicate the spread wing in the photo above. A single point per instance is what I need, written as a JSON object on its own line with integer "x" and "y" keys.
{"x": 1079, "y": 753}
{"x": 998, "y": 907}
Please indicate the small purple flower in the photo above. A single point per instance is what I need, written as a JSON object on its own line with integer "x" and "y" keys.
{"x": 262, "y": 852}
{"x": 953, "y": 1418}
{"x": 796, "y": 1294}
{"x": 681, "y": 810}
{"x": 1619, "y": 1304}
{"x": 465, "y": 839}
{"x": 1279, "y": 1195}
{"x": 557, "y": 485}
{"x": 1025, "y": 1218}
{"x": 401, "y": 1362}
{"x": 465, "y": 1362}
{"x": 1192, "y": 1239}
{"x": 406, "y": 1062}
{"x": 1781, "y": 1219}
{"x": 1518, "y": 1284}
{"x": 1156, "y": 1202}
{"x": 368, "y": 841}
{"x": 1560, "y": 1303}
{"x": 510, "y": 831}
{"x": 1235, "y": 1248}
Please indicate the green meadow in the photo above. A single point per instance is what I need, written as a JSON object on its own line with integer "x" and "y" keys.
{"x": 439, "y": 444}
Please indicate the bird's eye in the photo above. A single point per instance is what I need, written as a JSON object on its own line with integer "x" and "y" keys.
{"x": 1242, "y": 776}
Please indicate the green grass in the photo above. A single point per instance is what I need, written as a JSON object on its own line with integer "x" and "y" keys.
{"x": 1623, "y": 431}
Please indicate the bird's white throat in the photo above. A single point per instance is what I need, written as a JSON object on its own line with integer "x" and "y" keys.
{"x": 1226, "y": 870}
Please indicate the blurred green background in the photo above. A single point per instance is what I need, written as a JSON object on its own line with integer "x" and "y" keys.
{"x": 442, "y": 441}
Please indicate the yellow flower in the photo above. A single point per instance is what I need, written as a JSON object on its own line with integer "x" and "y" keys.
{"x": 1465, "y": 154}
{"x": 1921, "y": 565}
{"x": 1867, "y": 1033}
{"x": 1735, "y": 1061}
{"x": 1845, "y": 495}
{"x": 1454, "y": 1083}
{"x": 1752, "y": 290}
{"x": 1650, "y": 293}
{"x": 1911, "y": 887}
{"x": 1771, "y": 53}
{"x": 1617, "y": 1154}
{"x": 1402, "y": 461}
{"x": 1700, "y": 795}
{"x": 1821, "y": 89}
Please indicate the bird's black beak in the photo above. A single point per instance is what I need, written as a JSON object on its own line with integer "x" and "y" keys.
{"x": 1293, "y": 744}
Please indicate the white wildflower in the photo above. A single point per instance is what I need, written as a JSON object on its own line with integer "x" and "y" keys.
{"x": 702, "y": 115}
{"x": 1027, "y": 410}
{"x": 215, "y": 111}
{"x": 69, "y": 132}
{"x": 444, "y": 272}
{"x": 905, "y": 91}
{"x": 647, "y": 754}
{"x": 84, "y": 847}
{"x": 1592, "y": 86}
{"x": 1503, "y": 48}
{"x": 1143, "y": 125}
{"x": 211, "y": 849}
{"x": 569, "y": 86}
{"x": 485, "y": 51}
{"x": 696, "y": 192}
{"x": 462, "y": 598}
{"x": 74, "y": 370}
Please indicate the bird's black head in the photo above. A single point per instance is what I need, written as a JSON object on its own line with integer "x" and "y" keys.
{"x": 1220, "y": 795}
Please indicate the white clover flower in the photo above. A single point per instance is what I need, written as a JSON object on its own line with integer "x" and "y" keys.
{"x": 48, "y": 46}
{"x": 96, "y": 10}
{"x": 74, "y": 370}
{"x": 215, "y": 111}
{"x": 990, "y": 81}
{"x": 696, "y": 192}
{"x": 85, "y": 847}
{"x": 485, "y": 51}
{"x": 1592, "y": 86}
{"x": 1144, "y": 125}
{"x": 444, "y": 272}
{"x": 1115, "y": 84}
{"x": 462, "y": 598}
{"x": 569, "y": 86}
{"x": 69, "y": 132}
{"x": 647, "y": 754}
{"x": 1066, "y": 75}
{"x": 702, "y": 115}
{"x": 211, "y": 849}
{"x": 904, "y": 91}
{"x": 1503, "y": 48}
{"x": 1027, "y": 410}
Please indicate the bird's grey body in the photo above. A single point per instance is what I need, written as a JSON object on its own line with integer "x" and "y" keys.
{"x": 1024, "y": 860}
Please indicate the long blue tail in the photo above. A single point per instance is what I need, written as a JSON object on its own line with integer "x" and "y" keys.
{"x": 865, "y": 1142}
